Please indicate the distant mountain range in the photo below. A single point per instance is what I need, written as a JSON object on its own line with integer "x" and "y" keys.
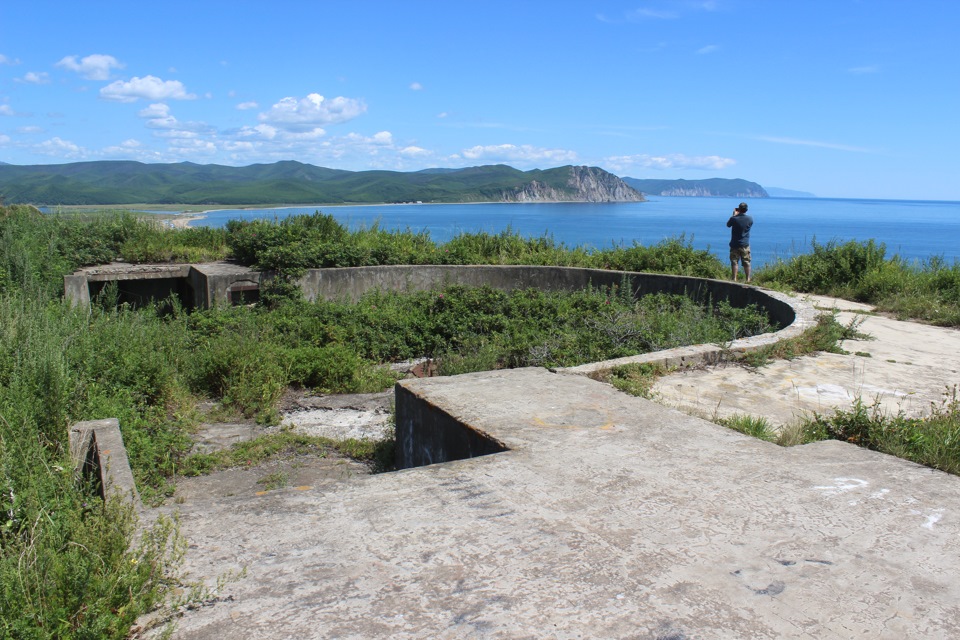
{"x": 289, "y": 182}
{"x": 777, "y": 192}
{"x": 733, "y": 188}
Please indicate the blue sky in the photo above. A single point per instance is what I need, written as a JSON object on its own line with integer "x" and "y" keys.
{"x": 842, "y": 98}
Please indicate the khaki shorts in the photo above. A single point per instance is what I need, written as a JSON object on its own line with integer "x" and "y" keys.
{"x": 741, "y": 254}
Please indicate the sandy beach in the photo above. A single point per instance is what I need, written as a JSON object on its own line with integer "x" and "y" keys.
{"x": 183, "y": 220}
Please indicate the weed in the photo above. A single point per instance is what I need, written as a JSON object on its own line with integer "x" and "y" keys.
{"x": 932, "y": 439}
{"x": 824, "y": 336}
{"x": 274, "y": 481}
{"x": 288, "y": 444}
{"x": 636, "y": 379}
{"x": 756, "y": 426}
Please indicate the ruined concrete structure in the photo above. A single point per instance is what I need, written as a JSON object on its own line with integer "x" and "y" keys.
{"x": 536, "y": 503}
{"x": 209, "y": 284}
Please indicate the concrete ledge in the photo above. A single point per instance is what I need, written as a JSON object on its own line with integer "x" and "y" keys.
{"x": 426, "y": 434}
{"x": 804, "y": 317}
{"x": 99, "y": 455}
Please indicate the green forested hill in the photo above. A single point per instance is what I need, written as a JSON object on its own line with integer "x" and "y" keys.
{"x": 735, "y": 188}
{"x": 289, "y": 182}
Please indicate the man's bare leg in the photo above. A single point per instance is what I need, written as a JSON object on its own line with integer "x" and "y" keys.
{"x": 734, "y": 268}
{"x": 746, "y": 272}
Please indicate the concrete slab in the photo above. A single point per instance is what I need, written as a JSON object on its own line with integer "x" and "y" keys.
{"x": 903, "y": 366}
{"x": 610, "y": 517}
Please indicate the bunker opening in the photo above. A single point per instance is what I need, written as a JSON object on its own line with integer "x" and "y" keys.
{"x": 139, "y": 293}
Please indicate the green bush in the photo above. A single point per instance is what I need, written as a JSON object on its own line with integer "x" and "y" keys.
{"x": 831, "y": 268}
{"x": 673, "y": 255}
{"x": 927, "y": 291}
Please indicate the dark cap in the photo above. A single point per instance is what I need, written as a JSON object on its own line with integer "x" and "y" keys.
{"x": 742, "y": 208}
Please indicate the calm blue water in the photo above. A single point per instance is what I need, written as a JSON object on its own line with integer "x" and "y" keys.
{"x": 783, "y": 227}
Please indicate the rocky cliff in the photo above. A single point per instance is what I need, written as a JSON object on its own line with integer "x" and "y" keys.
{"x": 704, "y": 191}
{"x": 583, "y": 184}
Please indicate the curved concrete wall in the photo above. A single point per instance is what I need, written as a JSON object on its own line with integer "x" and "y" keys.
{"x": 352, "y": 282}
{"x": 216, "y": 283}
{"x": 791, "y": 314}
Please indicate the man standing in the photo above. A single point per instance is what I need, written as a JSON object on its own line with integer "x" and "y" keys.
{"x": 740, "y": 224}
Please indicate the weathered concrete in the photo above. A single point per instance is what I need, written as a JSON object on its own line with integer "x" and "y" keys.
{"x": 135, "y": 281}
{"x": 609, "y": 517}
{"x": 900, "y": 367}
{"x": 196, "y": 286}
{"x": 603, "y": 516}
{"x": 98, "y": 454}
{"x": 351, "y": 283}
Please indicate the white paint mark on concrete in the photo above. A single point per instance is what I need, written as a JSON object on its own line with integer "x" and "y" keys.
{"x": 843, "y": 485}
{"x": 933, "y": 518}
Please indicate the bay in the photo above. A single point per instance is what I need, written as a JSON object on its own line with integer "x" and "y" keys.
{"x": 915, "y": 230}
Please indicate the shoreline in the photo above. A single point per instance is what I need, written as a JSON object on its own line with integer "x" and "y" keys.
{"x": 182, "y": 219}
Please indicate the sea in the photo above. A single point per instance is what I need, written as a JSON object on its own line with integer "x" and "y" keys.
{"x": 914, "y": 230}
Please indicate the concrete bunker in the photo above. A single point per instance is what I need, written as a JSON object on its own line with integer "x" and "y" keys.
{"x": 425, "y": 434}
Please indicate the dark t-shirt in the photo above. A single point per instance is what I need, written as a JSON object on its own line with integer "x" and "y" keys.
{"x": 740, "y": 230}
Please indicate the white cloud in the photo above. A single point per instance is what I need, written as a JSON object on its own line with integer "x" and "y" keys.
{"x": 442, "y": 114}
{"x": 416, "y": 86}
{"x": 158, "y": 116}
{"x": 414, "y": 152}
{"x": 135, "y": 150}
{"x": 670, "y": 161}
{"x": 815, "y": 143}
{"x": 313, "y": 111}
{"x": 191, "y": 147}
{"x": 260, "y": 132}
{"x": 148, "y": 88}
{"x": 269, "y": 133}
{"x": 127, "y": 147}
{"x": 166, "y": 126}
{"x": 60, "y": 148}
{"x": 710, "y": 48}
{"x": 6, "y": 110}
{"x": 92, "y": 67}
{"x": 5, "y": 60}
{"x": 155, "y": 110}
{"x": 32, "y": 129}
{"x": 32, "y": 77}
{"x": 4, "y": 139}
{"x": 518, "y": 153}
{"x": 656, "y": 14}
{"x": 243, "y": 106}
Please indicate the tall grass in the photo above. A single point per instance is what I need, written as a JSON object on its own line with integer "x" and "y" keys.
{"x": 68, "y": 565}
{"x": 927, "y": 290}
